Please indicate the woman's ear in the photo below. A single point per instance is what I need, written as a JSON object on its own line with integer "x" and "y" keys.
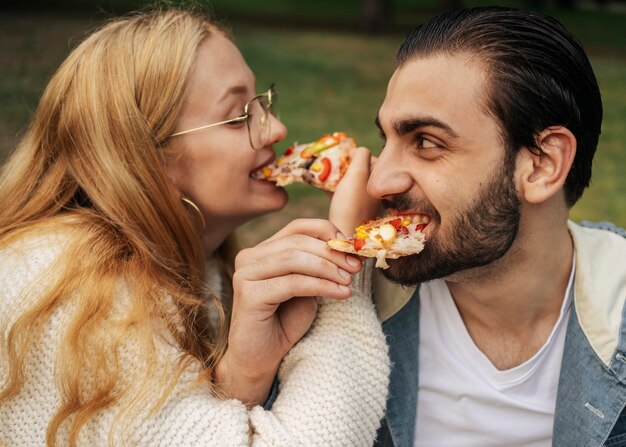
{"x": 542, "y": 175}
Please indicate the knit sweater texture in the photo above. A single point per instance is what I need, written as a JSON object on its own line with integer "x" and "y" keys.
{"x": 333, "y": 383}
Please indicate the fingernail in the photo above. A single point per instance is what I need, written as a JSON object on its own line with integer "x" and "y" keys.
{"x": 341, "y": 236}
{"x": 343, "y": 289}
{"x": 344, "y": 274}
{"x": 354, "y": 262}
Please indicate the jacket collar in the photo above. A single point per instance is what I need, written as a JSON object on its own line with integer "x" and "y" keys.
{"x": 600, "y": 287}
{"x": 389, "y": 297}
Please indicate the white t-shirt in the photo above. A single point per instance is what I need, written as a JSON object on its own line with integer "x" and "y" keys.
{"x": 464, "y": 400}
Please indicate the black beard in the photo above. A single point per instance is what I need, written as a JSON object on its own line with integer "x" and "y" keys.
{"x": 481, "y": 234}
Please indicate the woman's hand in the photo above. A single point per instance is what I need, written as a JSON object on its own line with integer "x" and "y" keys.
{"x": 350, "y": 204}
{"x": 274, "y": 303}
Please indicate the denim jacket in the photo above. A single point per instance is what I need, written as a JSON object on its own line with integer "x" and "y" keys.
{"x": 591, "y": 394}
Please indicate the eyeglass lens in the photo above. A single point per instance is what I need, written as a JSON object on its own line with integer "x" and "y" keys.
{"x": 259, "y": 122}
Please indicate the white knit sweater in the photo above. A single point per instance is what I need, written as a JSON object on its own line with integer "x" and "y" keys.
{"x": 333, "y": 383}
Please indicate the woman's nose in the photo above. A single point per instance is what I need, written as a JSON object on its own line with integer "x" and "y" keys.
{"x": 278, "y": 131}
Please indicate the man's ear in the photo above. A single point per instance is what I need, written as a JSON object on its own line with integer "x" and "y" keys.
{"x": 541, "y": 175}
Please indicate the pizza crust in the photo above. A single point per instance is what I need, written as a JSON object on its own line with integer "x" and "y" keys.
{"x": 381, "y": 254}
{"x": 347, "y": 247}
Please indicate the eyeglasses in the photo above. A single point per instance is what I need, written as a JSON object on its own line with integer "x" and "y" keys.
{"x": 256, "y": 115}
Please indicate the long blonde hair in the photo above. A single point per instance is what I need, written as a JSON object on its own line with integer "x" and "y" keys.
{"x": 92, "y": 162}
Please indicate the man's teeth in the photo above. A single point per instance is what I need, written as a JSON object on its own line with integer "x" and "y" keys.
{"x": 419, "y": 219}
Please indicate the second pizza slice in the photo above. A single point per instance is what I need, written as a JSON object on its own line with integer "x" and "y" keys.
{"x": 321, "y": 163}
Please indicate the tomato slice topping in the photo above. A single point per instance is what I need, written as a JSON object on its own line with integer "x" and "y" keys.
{"x": 358, "y": 244}
{"x": 326, "y": 171}
{"x": 397, "y": 223}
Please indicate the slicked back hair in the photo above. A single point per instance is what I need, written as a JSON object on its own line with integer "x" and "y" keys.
{"x": 538, "y": 75}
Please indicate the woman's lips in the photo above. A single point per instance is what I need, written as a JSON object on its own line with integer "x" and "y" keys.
{"x": 267, "y": 162}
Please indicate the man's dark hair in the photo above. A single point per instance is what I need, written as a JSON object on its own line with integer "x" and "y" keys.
{"x": 539, "y": 76}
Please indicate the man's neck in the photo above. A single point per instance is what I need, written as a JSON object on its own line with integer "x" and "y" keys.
{"x": 510, "y": 306}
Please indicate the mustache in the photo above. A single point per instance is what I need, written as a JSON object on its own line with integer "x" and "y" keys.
{"x": 404, "y": 202}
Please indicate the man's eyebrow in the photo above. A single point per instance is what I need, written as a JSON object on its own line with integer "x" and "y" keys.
{"x": 408, "y": 125}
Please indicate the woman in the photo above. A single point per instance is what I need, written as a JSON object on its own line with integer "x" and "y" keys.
{"x": 135, "y": 171}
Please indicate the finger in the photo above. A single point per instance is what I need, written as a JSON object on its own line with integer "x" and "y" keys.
{"x": 358, "y": 169}
{"x": 297, "y": 242}
{"x": 360, "y": 164}
{"x": 351, "y": 204}
{"x": 296, "y": 261}
{"x": 277, "y": 290}
{"x": 317, "y": 228}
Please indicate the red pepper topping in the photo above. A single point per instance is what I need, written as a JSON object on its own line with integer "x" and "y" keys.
{"x": 289, "y": 151}
{"x": 397, "y": 223}
{"x": 326, "y": 171}
{"x": 358, "y": 244}
{"x": 420, "y": 227}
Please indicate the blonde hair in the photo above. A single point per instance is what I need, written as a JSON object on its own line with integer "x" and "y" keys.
{"x": 92, "y": 163}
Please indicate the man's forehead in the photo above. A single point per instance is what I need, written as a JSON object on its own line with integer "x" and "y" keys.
{"x": 443, "y": 85}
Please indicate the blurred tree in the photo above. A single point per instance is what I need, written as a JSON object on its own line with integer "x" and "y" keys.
{"x": 377, "y": 15}
{"x": 447, "y": 5}
{"x": 565, "y": 4}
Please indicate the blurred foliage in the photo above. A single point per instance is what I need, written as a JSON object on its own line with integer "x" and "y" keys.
{"x": 330, "y": 76}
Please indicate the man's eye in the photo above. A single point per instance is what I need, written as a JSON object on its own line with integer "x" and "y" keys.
{"x": 425, "y": 143}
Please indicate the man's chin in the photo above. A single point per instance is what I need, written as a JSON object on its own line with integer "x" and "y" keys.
{"x": 404, "y": 271}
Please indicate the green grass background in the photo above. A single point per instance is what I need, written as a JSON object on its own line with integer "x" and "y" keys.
{"x": 330, "y": 76}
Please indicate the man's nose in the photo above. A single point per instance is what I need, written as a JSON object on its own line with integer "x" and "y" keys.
{"x": 390, "y": 176}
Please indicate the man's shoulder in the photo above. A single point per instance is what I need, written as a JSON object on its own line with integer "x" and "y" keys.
{"x": 607, "y": 226}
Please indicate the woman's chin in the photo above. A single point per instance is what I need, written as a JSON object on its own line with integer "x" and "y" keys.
{"x": 268, "y": 196}
{"x": 281, "y": 199}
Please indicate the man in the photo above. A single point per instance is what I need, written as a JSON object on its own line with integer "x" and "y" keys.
{"x": 514, "y": 335}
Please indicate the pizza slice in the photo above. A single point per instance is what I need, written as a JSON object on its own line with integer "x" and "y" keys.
{"x": 388, "y": 237}
{"x": 321, "y": 163}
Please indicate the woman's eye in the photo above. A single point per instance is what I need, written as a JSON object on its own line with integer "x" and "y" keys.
{"x": 237, "y": 122}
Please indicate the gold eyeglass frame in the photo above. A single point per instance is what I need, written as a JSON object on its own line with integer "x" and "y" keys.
{"x": 270, "y": 94}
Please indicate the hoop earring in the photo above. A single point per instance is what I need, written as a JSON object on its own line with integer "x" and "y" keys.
{"x": 196, "y": 209}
